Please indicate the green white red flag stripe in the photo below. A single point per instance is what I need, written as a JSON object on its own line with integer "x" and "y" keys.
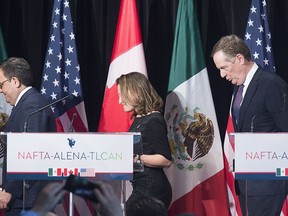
{"x": 197, "y": 171}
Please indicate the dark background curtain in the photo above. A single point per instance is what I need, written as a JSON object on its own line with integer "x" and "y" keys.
{"x": 26, "y": 24}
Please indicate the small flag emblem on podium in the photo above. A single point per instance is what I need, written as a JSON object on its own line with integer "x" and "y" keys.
{"x": 282, "y": 172}
{"x": 87, "y": 172}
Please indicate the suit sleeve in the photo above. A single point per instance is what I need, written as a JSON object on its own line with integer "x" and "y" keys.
{"x": 276, "y": 103}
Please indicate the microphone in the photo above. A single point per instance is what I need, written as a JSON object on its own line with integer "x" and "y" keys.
{"x": 72, "y": 121}
{"x": 259, "y": 114}
{"x": 284, "y": 101}
{"x": 44, "y": 107}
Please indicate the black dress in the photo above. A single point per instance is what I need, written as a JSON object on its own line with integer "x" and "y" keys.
{"x": 153, "y": 181}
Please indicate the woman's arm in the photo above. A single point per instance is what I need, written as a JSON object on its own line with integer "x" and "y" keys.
{"x": 155, "y": 160}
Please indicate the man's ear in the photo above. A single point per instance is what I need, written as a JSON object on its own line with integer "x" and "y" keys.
{"x": 16, "y": 82}
{"x": 240, "y": 58}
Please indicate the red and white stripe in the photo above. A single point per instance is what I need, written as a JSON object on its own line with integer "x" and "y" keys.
{"x": 284, "y": 211}
{"x": 80, "y": 124}
{"x": 234, "y": 204}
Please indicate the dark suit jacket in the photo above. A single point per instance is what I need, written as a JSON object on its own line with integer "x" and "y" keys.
{"x": 265, "y": 101}
{"x": 43, "y": 121}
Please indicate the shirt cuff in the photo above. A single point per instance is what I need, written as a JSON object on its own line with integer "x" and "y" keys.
{"x": 29, "y": 213}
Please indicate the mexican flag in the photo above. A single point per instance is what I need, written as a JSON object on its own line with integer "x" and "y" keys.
{"x": 3, "y": 54}
{"x": 4, "y": 106}
{"x": 197, "y": 172}
{"x": 127, "y": 56}
{"x": 5, "y": 109}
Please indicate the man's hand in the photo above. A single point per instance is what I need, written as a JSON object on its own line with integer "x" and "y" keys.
{"x": 5, "y": 198}
{"x": 49, "y": 197}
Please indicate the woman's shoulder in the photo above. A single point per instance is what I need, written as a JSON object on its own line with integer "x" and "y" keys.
{"x": 155, "y": 117}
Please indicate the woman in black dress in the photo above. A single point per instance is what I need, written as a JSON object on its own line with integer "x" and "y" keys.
{"x": 138, "y": 96}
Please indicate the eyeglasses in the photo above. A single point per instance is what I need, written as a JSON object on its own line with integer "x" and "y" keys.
{"x": 1, "y": 84}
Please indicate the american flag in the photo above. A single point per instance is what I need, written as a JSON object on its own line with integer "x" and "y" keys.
{"x": 258, "y": 36}
{"x": 61, "y": 74}
{"x": 61, "y": 77}
{"x": 258, "y": 39}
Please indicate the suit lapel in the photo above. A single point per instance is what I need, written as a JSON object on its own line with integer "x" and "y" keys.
{"x": 253, "y": 85}
{"x": 16, "y": 109}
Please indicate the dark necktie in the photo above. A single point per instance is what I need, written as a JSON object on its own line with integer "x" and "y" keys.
{"x": 237, "y": 102}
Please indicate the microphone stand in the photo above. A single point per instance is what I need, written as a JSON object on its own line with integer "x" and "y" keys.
{"x": 24, "y": 195}
{"x": 71, "y": 198}
{"x": 252, "y": 121}
{"x": 71, "y": 201}
{"x": 25, "y": 130}
{"x": 42, "y": 108}
{"x": 260, "y": 114}
{"x": 72, "y": 121}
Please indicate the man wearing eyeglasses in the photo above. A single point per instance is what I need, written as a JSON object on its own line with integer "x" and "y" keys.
{"x": 16, "y": 85}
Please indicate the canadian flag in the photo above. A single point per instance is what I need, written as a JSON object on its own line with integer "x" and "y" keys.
{"x": 70, "y": 171}
{"x": 127, "y": 56}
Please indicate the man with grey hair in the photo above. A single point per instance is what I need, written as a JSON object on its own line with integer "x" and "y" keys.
{"x": 259, "y": 97}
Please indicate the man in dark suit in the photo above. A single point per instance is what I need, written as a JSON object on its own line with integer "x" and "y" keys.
{"x": 260, "y": 99}
{"x": 16, "y": 85}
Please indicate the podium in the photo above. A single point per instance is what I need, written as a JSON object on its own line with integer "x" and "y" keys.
{"x": 260, "y": 156}
{"x": 54, "y": 156}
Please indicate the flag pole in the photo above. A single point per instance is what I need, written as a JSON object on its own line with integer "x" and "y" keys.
{"x": 123, "y": 189}
{"x": 71, "y": 201}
